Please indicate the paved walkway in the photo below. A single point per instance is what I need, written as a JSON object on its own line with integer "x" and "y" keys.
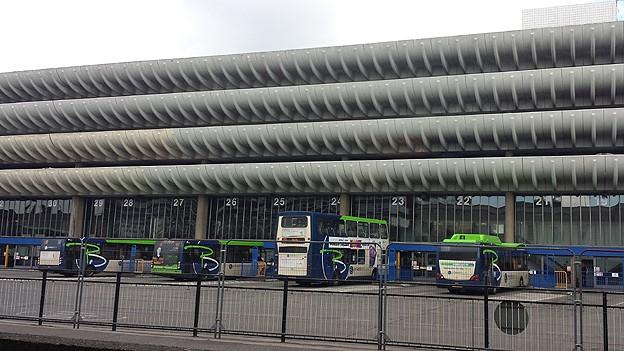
{"x": 141, "y": 340}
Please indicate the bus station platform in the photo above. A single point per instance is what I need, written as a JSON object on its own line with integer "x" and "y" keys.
{"x": 27, "y": 336}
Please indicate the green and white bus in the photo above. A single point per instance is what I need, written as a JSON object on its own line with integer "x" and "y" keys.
{"x": 187, "y": 259}
{"x": 470, "y": 261}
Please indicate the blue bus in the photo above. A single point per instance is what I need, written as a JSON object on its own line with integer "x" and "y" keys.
{"x": 412, "y": 261}
{"x": 19, "y": 252}
{"x": 62, "y": 255}
{"x": 316, "y": 247}
{"x": 599, "y": 267}
{"x": 470, "y": 261}
{"x": 187, "y": 259}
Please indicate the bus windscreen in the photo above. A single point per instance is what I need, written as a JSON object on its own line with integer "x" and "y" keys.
{"x": 293, "y": 249}
{"x": 295, "y": 222}
{"x": 458, "y": 253}
{"x": 167, "y": 253}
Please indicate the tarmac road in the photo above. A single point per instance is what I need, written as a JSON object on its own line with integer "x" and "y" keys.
{"x": 417, "y": 314}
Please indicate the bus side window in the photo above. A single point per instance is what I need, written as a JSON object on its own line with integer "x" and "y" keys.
{"x": 238, "y": 254}
{"x": 374, "y": 230}
{"x": 349, "y": 256}
{"x": 361, "y": 256}
{"x": 328, "y": 228}
{"x": 383, "y": 231}
{"x": 505, "y": 261}
{"x": 194, "y": 254}
{"x": 362, "y": 230}
{"x": 352, "y": 229}
{"x": 323, "y": 228}
{"x": 525, "y": 262}
{"x": 342, "y": 231}
{"x": 333, "y": 228}
{"x": 520, "y": 261}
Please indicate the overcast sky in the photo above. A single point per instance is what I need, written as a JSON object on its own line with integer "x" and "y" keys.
{"x": 45, "y": 33}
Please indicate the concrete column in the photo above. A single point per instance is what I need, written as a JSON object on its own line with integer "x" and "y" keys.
{"x": 76, "y": 218}
{"x": 201, "y": 221}
{"x": 510, "y": 218}
{"x": 345, "y": 204}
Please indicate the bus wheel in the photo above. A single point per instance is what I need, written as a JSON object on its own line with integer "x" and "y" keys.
{"x": 89, "y": 271}
{"x": 455, "y": 290}
{"x": 374, "y": 274}
{"x": 336, "y": 277}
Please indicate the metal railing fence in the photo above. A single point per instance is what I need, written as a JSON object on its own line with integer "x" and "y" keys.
{"x": 411, "y": 314}
{"x": 362, "y": 310}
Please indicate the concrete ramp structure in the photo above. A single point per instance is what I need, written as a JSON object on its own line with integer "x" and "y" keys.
{"x": 470, "y": 133}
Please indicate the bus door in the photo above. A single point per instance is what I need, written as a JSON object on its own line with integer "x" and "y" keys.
{"x": 542, "y": 270}
{"x": 405, "y": 265}
{"x": 252, "y": 269}
{"x": 268, "y": 255}
{"x": 587, "y": 273}
{"x": 131, "y": 261}
{"x": 488, "y": 267}
{"x": 393, "y": 267}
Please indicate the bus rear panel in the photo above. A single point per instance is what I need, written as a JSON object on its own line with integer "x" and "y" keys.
{"x": 294, "y": 233}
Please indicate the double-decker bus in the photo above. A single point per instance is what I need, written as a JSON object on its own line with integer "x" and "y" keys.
{"x": 187, "y": 259}
{"x": 471, "y": 261}
{"x": 316, "y": 247}
{"x": 111, "y": 255}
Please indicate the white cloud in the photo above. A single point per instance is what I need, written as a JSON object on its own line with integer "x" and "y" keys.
{"x": 43, "y": 33}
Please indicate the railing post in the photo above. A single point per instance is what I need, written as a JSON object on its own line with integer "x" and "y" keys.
{"x": 220, "y": 291}
{"x": 116, "y": 302}
{"x": 605, "y": 323}
{"x": 44, "y": 280}
{"x": 578, "y": 305}
{"x": 284, "y": 310}
{"x": 220, "y": 296}
{"x": 197, "y": 304}
{"x": 381, "y": 274}
{"x": 80, "y": 284}
{"x": 486, "y": 312}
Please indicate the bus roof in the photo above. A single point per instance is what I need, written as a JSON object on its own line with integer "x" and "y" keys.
{"x": 242, "y": 243}
{"x": 331, "y": 215}
{"x": 483, "y": 239}
{"x": 364, "y": 220}
{"x": 131, "y": 241}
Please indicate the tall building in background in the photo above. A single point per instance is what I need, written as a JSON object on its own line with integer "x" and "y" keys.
{"x": 594, "y": 12}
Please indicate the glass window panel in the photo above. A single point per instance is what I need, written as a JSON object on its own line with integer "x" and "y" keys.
{"x": 362, "y": 230}
{"x": 36, "y": 217}
{"x": 559, "y": 235}
{"x": 352, "y": 229}
{"x": 140, "y": 217}
{"x": 255, "y": 217}
{"x": 374, "y": 230}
